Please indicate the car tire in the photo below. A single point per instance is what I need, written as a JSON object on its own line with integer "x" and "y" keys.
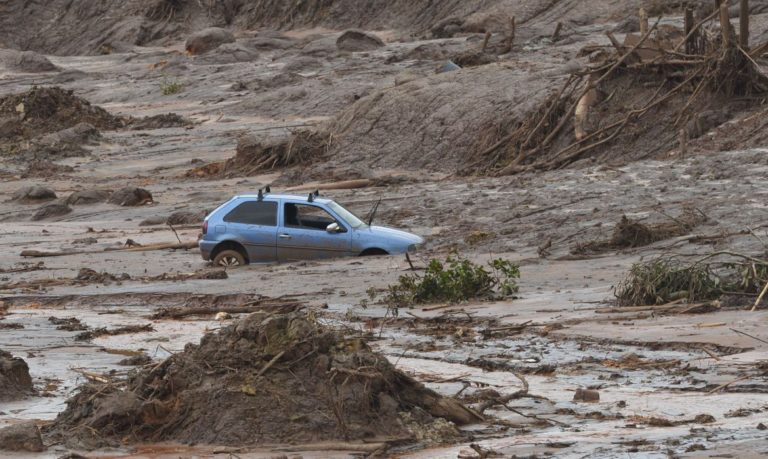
{"x": 229, "y": 259}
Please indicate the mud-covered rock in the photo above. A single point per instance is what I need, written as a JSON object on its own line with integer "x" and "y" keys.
{"x": 208, "y": 39}
{"x": 33, "y": 194}
{"x": 185, "y": 217}
{"x": 55, "y": 209}
{"x": 21, "y": 437}
{"x": 86, "y": 197}
{"x": 130, "y": 196}
{"x": 15, "y": 381}
{"x": 26, "y": 61}
{"x": 267, "y": 378}
{"x": 356, "y": 40}
{"x": 79, "y": 134}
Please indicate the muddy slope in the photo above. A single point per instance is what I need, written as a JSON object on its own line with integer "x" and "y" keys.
{"x": 263, "y": 379}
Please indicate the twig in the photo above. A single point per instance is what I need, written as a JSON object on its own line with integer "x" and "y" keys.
{"x": 759, "y": 298}
{"x": 270, "y": 363}
{"x": 723, "y": 386}
{"x": 175, "y": 233}
{"x": 747, "y": 334}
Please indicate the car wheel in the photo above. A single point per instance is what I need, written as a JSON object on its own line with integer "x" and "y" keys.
{"x": 229, "y": 259}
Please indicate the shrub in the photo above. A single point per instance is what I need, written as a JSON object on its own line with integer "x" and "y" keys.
{"x": 170, "y": 87}
{"x": 666, "y": 279}
{"x": 456, "y": 279}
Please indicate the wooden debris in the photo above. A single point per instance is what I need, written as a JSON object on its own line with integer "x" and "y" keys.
{"x": 143, "y": 248}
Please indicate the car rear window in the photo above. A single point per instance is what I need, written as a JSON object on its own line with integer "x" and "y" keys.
{"x": 254, "y": 213}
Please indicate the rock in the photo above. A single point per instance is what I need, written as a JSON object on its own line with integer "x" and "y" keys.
{"x": 15, "y": 382}
{"x": 324, "y": 46}
{"x": 33, "y": 194}
{"x": 26, "y": 61}
{"x": 586, "y": 395}
{"x": 130, "y": 196}
{"x": 85, "y": 197}
{"x": 81, "y": 133}
{"x": 356, "y": 40}
{"x": 761, "y": 426}
{"x": 55, "y": 209}
{"x": 184, "y": 217}
{"x": 208, "y": 39}
{"x": 21, "y": 437}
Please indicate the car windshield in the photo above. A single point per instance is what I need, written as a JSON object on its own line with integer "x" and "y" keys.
{"x": 346, "y": 215}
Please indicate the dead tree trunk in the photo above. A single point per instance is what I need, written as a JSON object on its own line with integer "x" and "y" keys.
{"x": 689, "y": 39}
{"x": 744, "y": 25}
{"x": 643, "y": 21}
{"x": 725, "y": 24}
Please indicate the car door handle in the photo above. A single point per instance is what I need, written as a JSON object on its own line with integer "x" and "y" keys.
{"x": 284, "y": 236}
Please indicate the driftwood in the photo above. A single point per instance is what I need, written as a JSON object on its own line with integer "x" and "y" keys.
{"x": 143, "y": 248}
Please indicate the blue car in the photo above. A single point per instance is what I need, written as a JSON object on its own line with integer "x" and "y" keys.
{"x": 266, "y": 228}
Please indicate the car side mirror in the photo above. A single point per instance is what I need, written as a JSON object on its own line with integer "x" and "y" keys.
{"x": 333, "y": 228}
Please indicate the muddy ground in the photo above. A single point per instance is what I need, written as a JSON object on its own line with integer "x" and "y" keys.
{"x": 660, "y": 375}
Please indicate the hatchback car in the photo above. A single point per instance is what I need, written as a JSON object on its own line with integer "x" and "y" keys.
{"x": 273, "y": 227}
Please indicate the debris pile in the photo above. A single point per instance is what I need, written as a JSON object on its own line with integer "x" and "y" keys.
{"x": 45, "y": 110}
{"x": 15, "y": 382}
{"x": 633, "y": 104}
{"x": 668, "y": 279}
{"x": 264, "y": 379}
{"x": 630, "y": 233}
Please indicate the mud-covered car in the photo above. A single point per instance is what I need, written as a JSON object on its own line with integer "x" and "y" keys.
{"x": 266, "y": 228}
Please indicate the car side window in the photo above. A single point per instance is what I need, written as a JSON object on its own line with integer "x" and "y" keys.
{"x": 307, "y": 217}
{"x": 254, "y": 213}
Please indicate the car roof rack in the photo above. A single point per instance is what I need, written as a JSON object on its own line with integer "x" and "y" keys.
{"x": 311, "y": 197}
{"x": 260, "y": 197}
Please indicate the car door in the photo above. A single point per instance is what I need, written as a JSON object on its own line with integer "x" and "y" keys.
{"x": 254, "y": 225}
{"x": 302, "y": 234}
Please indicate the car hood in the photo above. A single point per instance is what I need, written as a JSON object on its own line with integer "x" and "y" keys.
{"x": 391, "y": 233}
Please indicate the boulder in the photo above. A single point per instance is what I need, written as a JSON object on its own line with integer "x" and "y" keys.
{"x": 130, "y": 196}
{"x": 21, "y": 437}
{"x": 55, "y": 209}
{"x": 26, "y": 61}
{"x": 208, "y": 39}
{"x": 33, "y": 194}
{"x": 356, "y": 40}
{"x": 185, "y": 217}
